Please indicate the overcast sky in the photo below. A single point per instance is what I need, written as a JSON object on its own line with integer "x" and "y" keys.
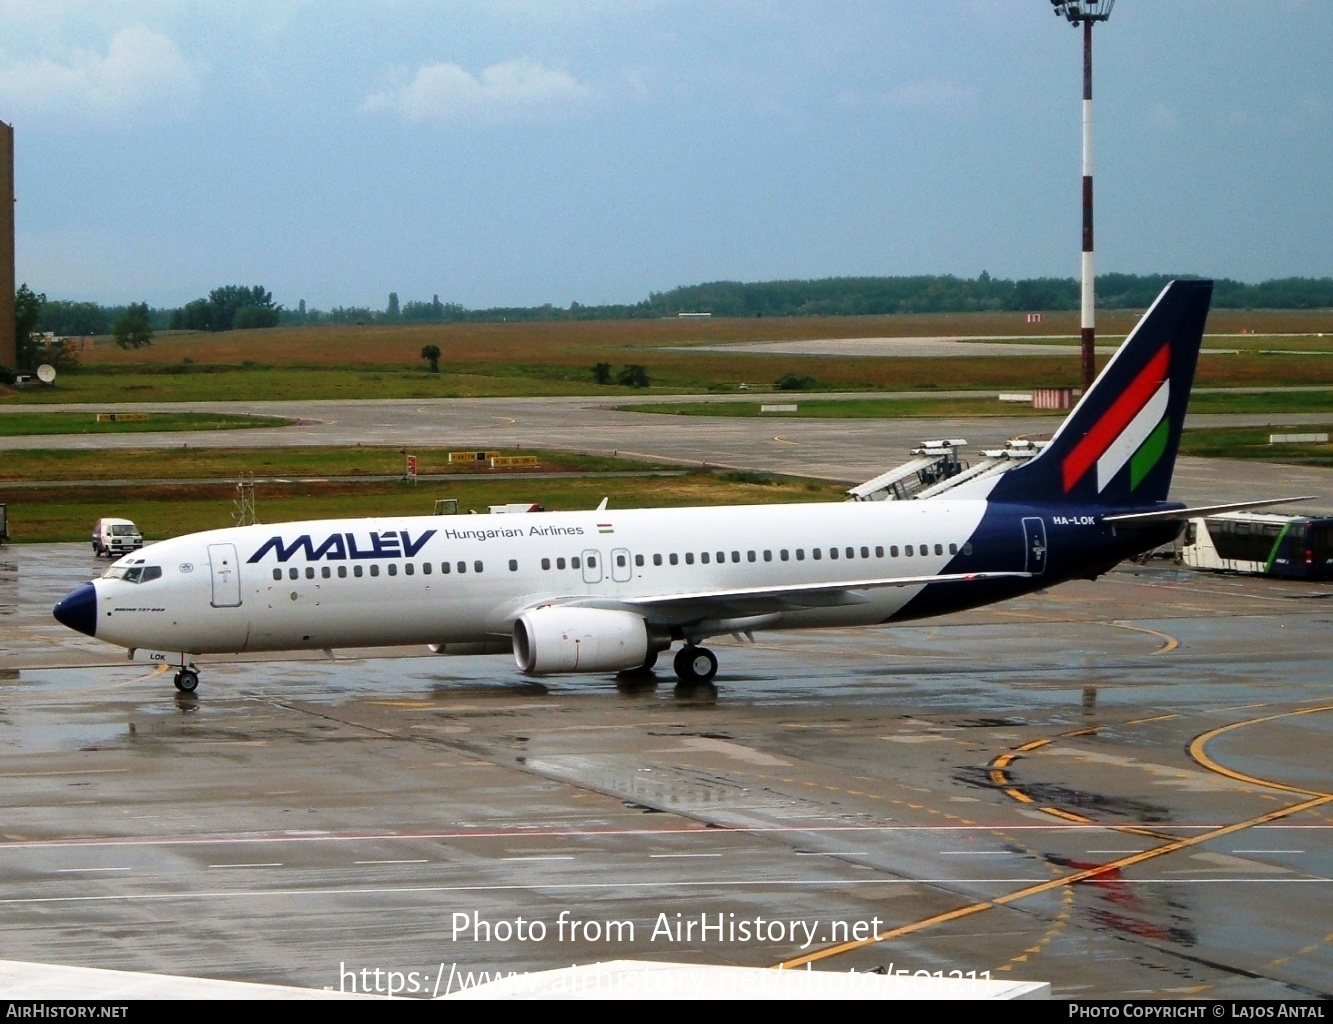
{"x": 515, "y": 152}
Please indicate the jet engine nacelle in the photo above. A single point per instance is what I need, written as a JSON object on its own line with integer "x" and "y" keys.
{"x": 555, "y": 639}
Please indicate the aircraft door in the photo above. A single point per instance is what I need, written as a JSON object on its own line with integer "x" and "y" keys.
{"x": 592, "y": 566}
{"x": 1034, "y": 535}
{"x": 622, "y": 567}
{"x": 226, "y": 572}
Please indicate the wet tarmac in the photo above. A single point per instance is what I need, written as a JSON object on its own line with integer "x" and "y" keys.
{"x": 1121, "y": 787}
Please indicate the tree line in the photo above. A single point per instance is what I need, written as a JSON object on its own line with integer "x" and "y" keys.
{"x": 234, "y": 307}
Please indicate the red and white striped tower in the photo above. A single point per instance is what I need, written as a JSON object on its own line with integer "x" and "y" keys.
{"x": 1088, "y": 305}
{"x": 1085, "y": 12}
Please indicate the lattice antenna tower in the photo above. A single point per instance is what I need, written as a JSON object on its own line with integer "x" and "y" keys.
{"x": 243, "y": 508}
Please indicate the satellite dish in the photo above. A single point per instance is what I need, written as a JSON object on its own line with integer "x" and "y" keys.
{"x": 46, "y": 373}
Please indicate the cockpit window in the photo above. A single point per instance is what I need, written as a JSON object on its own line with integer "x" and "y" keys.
{"x": 133, "y": 573}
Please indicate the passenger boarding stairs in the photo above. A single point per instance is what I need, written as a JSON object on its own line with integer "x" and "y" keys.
{"x": 937, "y": 469}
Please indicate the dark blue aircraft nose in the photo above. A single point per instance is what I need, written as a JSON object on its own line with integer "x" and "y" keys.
{"x": 78, "y": 609}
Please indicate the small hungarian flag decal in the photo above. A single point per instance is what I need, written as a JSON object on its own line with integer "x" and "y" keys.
{"x": 605, "y": 528}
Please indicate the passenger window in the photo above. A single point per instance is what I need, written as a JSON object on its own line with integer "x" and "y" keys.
{"x": 477, "y": 567}
{"x": 967, "y": 548}
{"x": 851, "y": 552}
{"x": 425, "y": 568}
{"x": 620, "y": 562}
{"x": 409, "y": 569}
{"x": 513, "y": 565}
{"x": 953, "y": 549}
{"x": 292, "y": 573}
{"x": 783, "y": 554}
{"x": 546, "y": 563}
{"x": 374, "y": 570}
{"x": 893, "y": 550}
{"x": 657, "y": 559}
{"x": 879, "y": 551}
{"x": 721, "y": 557}
{"x": 673, "y": 558}
{"x": 638, "y": 560}
{"x": 393, "y": 568}
{"x": 444, "y": 568}
{"x": 704, "y": 558}
{"x": 342, "y": 572}
{"x": 768, "y": 556}
{"x": 461, "y": 567}
{"x": 325, "y": 571}
{"x": 735, "y": 556}
{"x": 310, "y": 572}
{"x": 277, "y": 574}
{"x": 817, "y": 554}
{"x": 833, "y": 552}
{"x": 749, "y": 556}
{"x": 939, "y": 549}
{"x": 356, "y": 571}
{"x": 574, "y": 563}
{"x": 689, "y": 557}
{"x": 592, "y": 562}
{"x": 800, "y": 554}
{"x": 559, "y": 563}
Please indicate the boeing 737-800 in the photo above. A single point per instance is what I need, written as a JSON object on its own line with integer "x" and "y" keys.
{"x": 606, "y": 591}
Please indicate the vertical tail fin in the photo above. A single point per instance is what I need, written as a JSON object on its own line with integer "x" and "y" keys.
{"x": 1118, "y": 447}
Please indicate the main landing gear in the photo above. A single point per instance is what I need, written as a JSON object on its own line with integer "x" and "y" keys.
{"x": 695, "y": 666}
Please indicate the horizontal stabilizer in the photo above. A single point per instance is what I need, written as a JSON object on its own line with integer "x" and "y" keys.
{"x": 1181, "y": 514}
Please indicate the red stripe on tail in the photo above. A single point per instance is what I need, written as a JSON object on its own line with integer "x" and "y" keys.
{"x": 1094, "y": 444}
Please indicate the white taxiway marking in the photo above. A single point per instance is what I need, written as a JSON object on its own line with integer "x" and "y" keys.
{"x": 67, "y": 871}
{"x": 273, "y": 864}
{"x": 423, "y": 860}
{"x": 1267, "y": 851}
{"x": 678, "y": 855}
{"x": 556, "y": 856}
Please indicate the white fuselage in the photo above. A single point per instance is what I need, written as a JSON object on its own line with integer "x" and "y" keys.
{"x": 466, "y": 579}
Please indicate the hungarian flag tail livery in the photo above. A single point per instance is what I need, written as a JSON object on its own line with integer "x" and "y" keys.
{"x": 1117, "y": 449}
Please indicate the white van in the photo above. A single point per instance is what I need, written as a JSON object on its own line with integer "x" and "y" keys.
{"x": 115, "y": 537}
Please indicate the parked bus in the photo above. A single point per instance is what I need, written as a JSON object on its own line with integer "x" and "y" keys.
{"x": 1259, "y": 542}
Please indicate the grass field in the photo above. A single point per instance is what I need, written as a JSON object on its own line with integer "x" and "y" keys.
{"x": 557, "y": 358}
{"x": 59, "y": 464}
{"x": 65, "y": 514}
{"x": 1252, "y": 443}
{"x": 21, "y": 424}
{"x": 897, "y": 408}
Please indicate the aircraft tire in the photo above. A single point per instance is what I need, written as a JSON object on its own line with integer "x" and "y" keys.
{"x": 695, "y": 666}
{"x": 187, "y": 680}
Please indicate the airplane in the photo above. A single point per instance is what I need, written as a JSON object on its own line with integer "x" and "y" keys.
{"x": 608, "y": 591}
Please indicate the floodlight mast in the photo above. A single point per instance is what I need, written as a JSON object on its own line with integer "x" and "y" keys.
{"x": 1085, "y": 12}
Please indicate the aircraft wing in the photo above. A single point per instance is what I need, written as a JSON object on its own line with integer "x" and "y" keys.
{"x": 717, "y": 604}
{"x": 1179, "y": 514}
{"x": 803, "y": 589}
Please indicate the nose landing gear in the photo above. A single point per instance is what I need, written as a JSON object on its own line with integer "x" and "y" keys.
{"x": 187, "y": 679}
